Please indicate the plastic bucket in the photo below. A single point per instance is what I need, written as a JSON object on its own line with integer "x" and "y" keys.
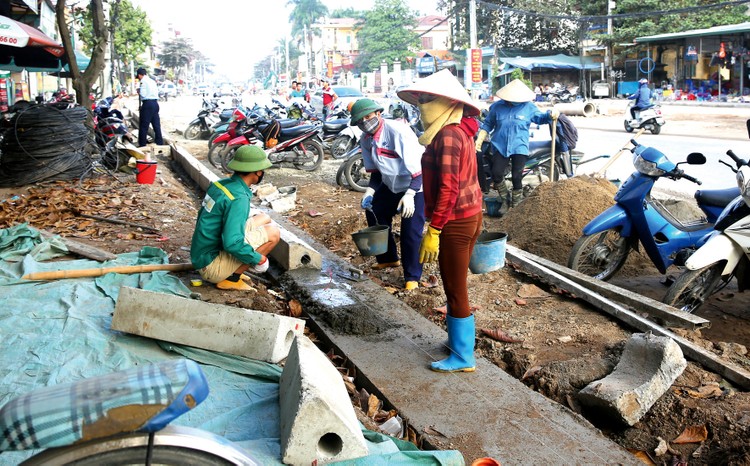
{"x": 489, "y": 252}
{"x": 145, "y": 172}
{"x": 372, "y": 241}
{"x": 493, "y": 206}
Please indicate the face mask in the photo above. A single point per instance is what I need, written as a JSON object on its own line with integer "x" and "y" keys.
{"x": 260, "y": 178}
{"x": 369, "y": 126}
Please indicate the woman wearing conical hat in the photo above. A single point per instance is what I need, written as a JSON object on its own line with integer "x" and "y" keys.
{"x": 508, "y": 123}
{"x": 453, "y": 201}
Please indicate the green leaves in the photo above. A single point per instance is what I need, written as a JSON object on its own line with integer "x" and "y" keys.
{"x": 386, "y": 34}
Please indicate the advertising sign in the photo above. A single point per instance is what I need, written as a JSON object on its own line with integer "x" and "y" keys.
{"x": 476, "y": 67}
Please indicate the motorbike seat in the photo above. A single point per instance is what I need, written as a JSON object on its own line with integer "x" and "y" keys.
{"x": 288, "y": 133}
{"x": 716, "y": 197}
{"x": 288, "y": 122}
{"x": 334, "y": 126}
{"x": 150, "y": 395}
{"x": 537, "y": 148}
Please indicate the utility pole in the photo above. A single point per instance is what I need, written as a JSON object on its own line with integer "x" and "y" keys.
{"x": 286, "y": 57}
{"x": 472, "y": 40}
{"x": 609, "y": 51}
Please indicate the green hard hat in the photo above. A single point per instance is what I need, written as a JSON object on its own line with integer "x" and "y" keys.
{"x": 362, "y": 108}
{"x": 248, "y": 159}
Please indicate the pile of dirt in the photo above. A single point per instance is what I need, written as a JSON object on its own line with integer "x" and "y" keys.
{"x": 551, "y": 219}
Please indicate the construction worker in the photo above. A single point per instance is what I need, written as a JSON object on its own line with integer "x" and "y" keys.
{"x": 228, "y": 241}
{"x": 453, "y": 202}
{"x": 391, "y": 153}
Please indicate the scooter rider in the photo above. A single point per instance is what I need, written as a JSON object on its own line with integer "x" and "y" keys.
{"x": 642, "y": 97}
{"x": 391, "y": 153}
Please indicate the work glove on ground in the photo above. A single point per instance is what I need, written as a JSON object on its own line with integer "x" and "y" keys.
{"x": 406, "y": 204}
{"x": 480, "y": 139}
{"x": 554, "y": 113}
{"x": 262, "y": 266}
{"x": 367, "y": 199}
{"x": 430, "y": 247}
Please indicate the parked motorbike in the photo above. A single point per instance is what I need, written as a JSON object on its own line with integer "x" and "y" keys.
{"x": 112, "y": 135}
{"x": 649, "y": 118}
{"x": 562, "y": 94}
{"x": 200, "y": 127}
{"x": 337, "y": 136}
{"x": 638, "y": 218}
{"x": 299, "y": 145}
{"x": 725, "y": 255}
{"x": 71, "y": 423}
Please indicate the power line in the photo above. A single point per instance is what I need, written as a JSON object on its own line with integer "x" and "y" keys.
{"x": 587, "y": 18}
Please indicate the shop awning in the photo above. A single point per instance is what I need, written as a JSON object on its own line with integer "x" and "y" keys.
{"x": 26, "y": 47}
{"x": 727, "y": 29}
{"x": 554, "y": 62}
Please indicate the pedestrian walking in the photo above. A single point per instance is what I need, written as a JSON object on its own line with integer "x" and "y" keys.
{"x": 453, "y": 202}
{"x": 508, "y": 123}
{"x": 329, "y": 97}
{"x": 391, "y": 153}
{"x": 149, "y": 109}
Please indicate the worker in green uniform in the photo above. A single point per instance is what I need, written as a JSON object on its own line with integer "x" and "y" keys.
{"x": 227, "y": 240}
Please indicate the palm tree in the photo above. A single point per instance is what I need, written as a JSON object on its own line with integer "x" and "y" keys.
{"x": 303, "y": 16}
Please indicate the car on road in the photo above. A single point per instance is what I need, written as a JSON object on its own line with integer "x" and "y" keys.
{"x": 169, "y": 88}
{"x": 345, "y": 96}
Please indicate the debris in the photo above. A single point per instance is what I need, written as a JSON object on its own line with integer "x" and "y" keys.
{"x": 643, "y": 456}
{"x": 530, "y": 372}
{"x": 710, "y": 390}
{"x": 565, "y": 339}
{"x": 520, "y": 301}
{"x": 373, "y": 405}
{"x": 393, "y": 427}
{"x": 429, "y": 430}
{"x": 530, "y": 290}
{"x": 662, "y": 448}
{"x": 431, "y": 282}
{"x": 295, "y": 308}
{"x": 499, "y": 335}
{"x": 692, "y": 434}
{"x": 315, "y": 213}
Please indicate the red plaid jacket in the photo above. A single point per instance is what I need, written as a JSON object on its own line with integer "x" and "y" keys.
{"x": 449, "y": 170}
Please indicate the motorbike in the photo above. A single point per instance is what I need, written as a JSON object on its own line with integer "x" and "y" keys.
{"x": 638, "y": 218}
{"x": 200, "y": 127}
{"x": 299, "y": 145}
{"x": 112, "y": 135}
{"x": 82, "y": 432}
{"x": 725, "y": 255}
{"x": 562, "y": 94}
{"x": 649, "y": 118}
{"x": 338, "y": 137}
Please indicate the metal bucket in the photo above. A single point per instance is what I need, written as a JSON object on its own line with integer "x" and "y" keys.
{"x": 372, "y": 241}
{"x": 493, "y": 205}
{"x": 489, "y": 252}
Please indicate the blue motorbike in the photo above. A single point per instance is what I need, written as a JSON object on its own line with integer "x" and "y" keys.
{"x": 637, "y": 218}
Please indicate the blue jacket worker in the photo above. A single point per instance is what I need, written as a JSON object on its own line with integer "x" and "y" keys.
{"x": 642, "y": 97}
{"x": 227, "y": 240}
{"x": 508, "y": 123}
{"x": 391, "y": 153}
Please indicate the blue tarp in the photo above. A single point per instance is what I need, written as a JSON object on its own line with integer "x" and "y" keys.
{"x": 552, "y": 62}
{"x": 59, "y": 331}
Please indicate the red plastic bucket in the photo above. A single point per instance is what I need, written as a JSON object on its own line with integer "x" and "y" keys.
{"x": 145, "y": 172}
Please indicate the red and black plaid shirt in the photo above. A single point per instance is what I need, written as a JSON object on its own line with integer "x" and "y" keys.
{"x": 449, "y": 170}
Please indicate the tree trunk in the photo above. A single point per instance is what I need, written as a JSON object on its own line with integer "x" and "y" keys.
{"x": 83, "y": 82}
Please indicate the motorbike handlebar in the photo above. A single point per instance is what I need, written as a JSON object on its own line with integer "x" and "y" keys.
{"x": 690, "y": 178}
{"x": 740, "y": 162}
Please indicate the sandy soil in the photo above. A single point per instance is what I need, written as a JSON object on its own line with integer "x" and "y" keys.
{"x": 566, "y": 343}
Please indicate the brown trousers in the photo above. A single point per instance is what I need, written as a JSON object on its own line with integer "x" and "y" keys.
{"x": 456, "y": 243}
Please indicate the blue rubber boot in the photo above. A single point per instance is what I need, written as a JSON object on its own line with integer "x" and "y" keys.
{"x": 461, "y": 337}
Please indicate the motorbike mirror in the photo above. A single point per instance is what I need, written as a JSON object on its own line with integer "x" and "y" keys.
{"x": 696, "y": 158}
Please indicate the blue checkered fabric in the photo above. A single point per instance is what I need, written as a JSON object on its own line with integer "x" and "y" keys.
{"x": 55, "y": 416}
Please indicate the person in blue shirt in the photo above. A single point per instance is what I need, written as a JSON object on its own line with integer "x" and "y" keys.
{"x": 642, "y": 97}
{"x": 508, "y": 123}
{"x": 149, "y": 109}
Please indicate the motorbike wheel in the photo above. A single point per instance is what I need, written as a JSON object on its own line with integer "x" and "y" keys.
{"x": 340, "y": 178}
{"x": 312, "y": 158}
{"x": 193, "y": 131}
{"x": 355, "y": 173}
{"x": 226, "y": 156}
{"x": 212, "y": 138}
{"x": 341, "y": 146}
{"x": 214, "y": 154}
{"x": 694, "y": 287}
{"x": 628, "y": 128}
{"x": 655, "y": 129}
{"x": 600, "y": 255}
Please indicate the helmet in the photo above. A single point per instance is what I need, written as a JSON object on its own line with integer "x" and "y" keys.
{"x": 362, "y": 108}
{"x": 398, "y": 112}
{"x": 643, "y": 81}
{"x": 248, "y": 159}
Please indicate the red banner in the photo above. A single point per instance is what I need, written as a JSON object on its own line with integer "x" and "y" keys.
{"x": 476, "y": 65}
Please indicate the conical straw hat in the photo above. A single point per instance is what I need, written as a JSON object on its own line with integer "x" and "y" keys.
{"x": 444, "y": 84}
{"x": 516, "y": 91}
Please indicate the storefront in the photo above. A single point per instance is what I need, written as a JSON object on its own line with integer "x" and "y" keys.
{"x": 706, "y": 64}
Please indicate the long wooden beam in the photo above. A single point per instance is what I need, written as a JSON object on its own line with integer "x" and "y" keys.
{"x": 710, "y": 361}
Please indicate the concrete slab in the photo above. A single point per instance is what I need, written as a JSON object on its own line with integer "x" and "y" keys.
{"x": 228, "y": 329}
{"x": 649, "y": 365}
{"x": 318, "y": 423}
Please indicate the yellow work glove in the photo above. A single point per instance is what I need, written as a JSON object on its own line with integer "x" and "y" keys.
{"x": 480, "y": 139}
{"x": 428, "y": 250}
{"x": 554, "y": 113}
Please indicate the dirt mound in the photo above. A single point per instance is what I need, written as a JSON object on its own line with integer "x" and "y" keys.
{"x": 551, "y": 219}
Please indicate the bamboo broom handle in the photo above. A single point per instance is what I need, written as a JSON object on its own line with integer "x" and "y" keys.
{"x": 627, "y": 146}
{"x": 99, "y": 271}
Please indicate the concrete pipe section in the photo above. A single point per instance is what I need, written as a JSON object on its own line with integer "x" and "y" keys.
{"x": 578, "y": 108}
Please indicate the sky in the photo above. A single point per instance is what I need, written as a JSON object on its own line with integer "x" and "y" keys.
{"x": 237, "y": 34}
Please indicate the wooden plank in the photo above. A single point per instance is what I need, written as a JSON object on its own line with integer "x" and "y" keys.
{"x": 83, "y": 250}
{"x": 710, "y": 361}
{"x": 667, "y": 315}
